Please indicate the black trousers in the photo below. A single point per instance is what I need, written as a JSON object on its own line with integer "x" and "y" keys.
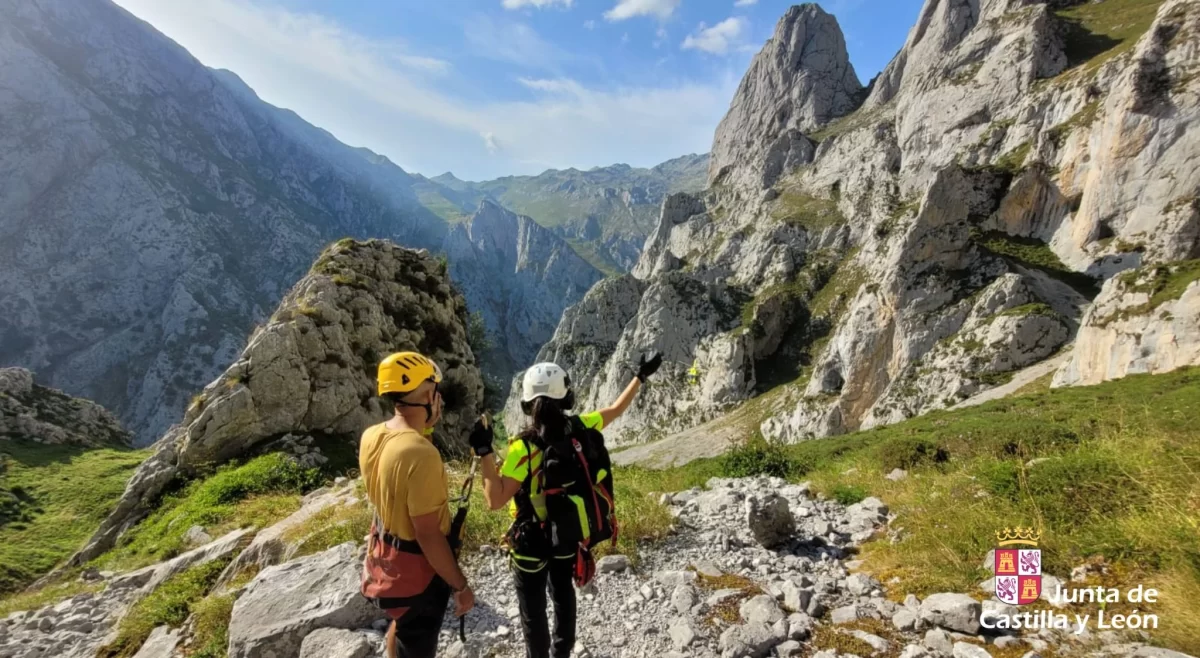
{"x": 417, "y": 630}
{"x": 531, "y": 597}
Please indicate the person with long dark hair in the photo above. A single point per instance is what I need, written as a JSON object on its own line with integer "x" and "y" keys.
{"x": 547, "y": 399}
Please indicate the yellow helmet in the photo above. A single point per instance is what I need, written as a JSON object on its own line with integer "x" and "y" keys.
{"x": 403, "y": 372}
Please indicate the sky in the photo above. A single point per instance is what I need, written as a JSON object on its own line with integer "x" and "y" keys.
{"x": 487, "y": 88}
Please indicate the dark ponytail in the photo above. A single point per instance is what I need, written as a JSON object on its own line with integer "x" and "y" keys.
{"x": 549, "y": 422}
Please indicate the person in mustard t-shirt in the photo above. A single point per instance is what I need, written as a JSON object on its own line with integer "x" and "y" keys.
{"x": 546, "y": 397}
{"x": 405, "y": 478}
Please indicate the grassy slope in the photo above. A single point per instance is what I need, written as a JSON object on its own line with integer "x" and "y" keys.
{"x": 65, "y": 492}
{"x": 1121, "y": 480}
{"x": 1097, "y": 32}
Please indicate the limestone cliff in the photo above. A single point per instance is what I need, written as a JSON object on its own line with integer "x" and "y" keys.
{"x": 925, "y": 246}
{"x": 29, "y": 412}
{"x": 1144, "y": 321}
{"x": 799, "y": 81}
{"x": 311, "y": 369}
{"x": 153, "y": 210}
{"x": 519, "y": 276}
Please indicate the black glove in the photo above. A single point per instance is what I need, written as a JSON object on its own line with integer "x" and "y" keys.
{"x": 481, "y": 438}
{"x": 648, "y": 366}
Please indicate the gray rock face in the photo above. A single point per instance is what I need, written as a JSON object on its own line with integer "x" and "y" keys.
{"x": 311, "y": 369}
{"x": 896, "y": 265}
{"x": 956, "y": 612}
{"x": 1133, "y": 328}
{"x": 285, "y": 603}
{"x": 335, "y": 643}
{"x": 271, "y": 545}
{"x": 210, "y": 204}
{"x": 160, "y": 644}
{"x": 35, "y": 413}
{"x": 519, "y": 275}
{"x": 801, "y": 79}
{"x": 770, "y": 520}
{"x": 754, "y": 640}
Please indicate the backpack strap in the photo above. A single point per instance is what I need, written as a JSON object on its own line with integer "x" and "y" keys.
{"x": 525, "y": 493}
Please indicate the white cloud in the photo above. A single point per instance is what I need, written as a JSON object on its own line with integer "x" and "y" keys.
{"x": 630, "y": 8}
{"x": 589, "y": 24}
{"x": 718, "y": 39}
{"x": 513, "y": 42}
{"x": 406, "y": 105}
{"x": 739, "y": 3}
{"x": 517, "y": 4}
{"x": 660, "y": 37}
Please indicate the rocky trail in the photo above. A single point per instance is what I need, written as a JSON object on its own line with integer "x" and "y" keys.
{"x": 755, "y": 567}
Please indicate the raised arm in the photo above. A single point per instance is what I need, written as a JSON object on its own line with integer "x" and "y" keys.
{"x": 646, "y": 367}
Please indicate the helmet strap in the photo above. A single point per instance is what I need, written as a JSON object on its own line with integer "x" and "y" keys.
{"x": 427, "y": 406}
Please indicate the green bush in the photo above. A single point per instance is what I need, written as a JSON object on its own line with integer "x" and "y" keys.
{"x": 757, "y": 457}
{"x": 910, "y": 452}
{"x": 847, "y": 494}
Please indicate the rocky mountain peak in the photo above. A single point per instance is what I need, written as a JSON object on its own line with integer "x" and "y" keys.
{"x": 311, "y": 369}
{"x": 800, "y": 80}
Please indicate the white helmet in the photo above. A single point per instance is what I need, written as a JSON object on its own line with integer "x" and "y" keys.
{"x": 546, "y": 380}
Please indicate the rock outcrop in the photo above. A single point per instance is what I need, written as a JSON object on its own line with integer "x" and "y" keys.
{"x": 311, "y": 369}
{"x": 1144, "y": 321}
{"x": 800, "y": 80}
{"x": 519, "y": 275}
{"x": 285, "y": 603}
{"x": 35, "y": 413}
{"x": 942, "y": 237}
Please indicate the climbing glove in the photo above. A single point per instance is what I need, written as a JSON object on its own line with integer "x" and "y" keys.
{"x": 481, "y": 439}
{"x": 648, "y": 366}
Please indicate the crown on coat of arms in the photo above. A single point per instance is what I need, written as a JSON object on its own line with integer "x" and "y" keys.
{"x": 1019, "y": 535}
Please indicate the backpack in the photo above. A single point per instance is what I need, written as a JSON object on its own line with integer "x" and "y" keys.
{"x": 576, "y": 479}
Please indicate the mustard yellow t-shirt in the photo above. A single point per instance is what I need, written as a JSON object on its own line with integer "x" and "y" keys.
{"x": 405, "y": 477}
{"x": 518, "y": 462}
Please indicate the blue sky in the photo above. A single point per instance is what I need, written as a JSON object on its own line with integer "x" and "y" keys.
{"x": 486, "y": 88}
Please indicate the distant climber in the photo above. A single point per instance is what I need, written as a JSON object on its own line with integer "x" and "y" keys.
{"x": 693, "y": 373}
{"x": 410, "y": 570}
{"x": 554, "y": 468}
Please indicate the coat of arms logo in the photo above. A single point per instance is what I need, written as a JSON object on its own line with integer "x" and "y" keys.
{"x": 1018, "y": 570}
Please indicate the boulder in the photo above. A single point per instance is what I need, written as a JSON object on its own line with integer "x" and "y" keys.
{"x": 845, "y": 614}
{"x": 968, "y": 650}
{"x": 770, "y": 520}
{"x": 761, "y": 609}
{"x": 148, "y": 579}
{"x": 284, "y": 603}
{"x": 683, "y": 598}
{"x": 160, "y": 644}
{"x": 956, "y": 612}
{"x": 904, "y": 620}
{"x": 196, "y": 536}
{"x": 753, "y": 640}
{"x": 939, "y": 641}
{"x": 795, "y": 598}
{"x": 860, "y": 584}
{"x": 681, "y": 632}
{"x": 612, "y": 564}
{"x": 335, "y": 643}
